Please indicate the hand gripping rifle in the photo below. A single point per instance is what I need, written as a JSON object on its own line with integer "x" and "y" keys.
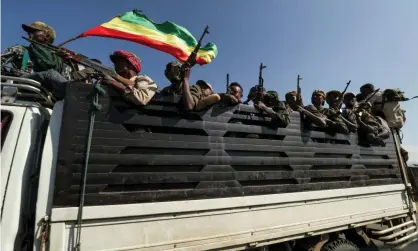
{"x": 191, "y": 61}
{"x": 260, "y": 78}
{"x": 79, "y": 58}
{"x": 341, "y": 97}
{"x": 299, "y": 92}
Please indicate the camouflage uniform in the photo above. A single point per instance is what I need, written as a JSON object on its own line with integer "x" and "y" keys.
{"x": 18, "y": 57}
{"x": 271, "y": 100}
{"x": 349, "y": 114}
{"x": 49, "y": 69}
{"x": 291, "y": 101}
{"x": 339, "y": 126}
{"x": 319, "y": 112}
{"x": 173, "y": 74}
{"x": 201, "y": 100}
{"x": 373, "y": 130}
{"x": 38, "y": 65}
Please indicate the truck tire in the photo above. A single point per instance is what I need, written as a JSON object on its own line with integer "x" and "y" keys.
{"x": 340, "y": 245}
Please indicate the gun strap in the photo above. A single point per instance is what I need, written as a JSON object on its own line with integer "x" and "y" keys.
{"x": 25, "y": 59}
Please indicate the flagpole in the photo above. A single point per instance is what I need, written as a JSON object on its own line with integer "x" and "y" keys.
{"x": 69, "y": 40}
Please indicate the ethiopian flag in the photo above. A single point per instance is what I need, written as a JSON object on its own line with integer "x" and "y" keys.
{"x": 168, "y": 37}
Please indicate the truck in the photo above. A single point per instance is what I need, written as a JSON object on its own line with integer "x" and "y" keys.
{"x": 93, "y": 172}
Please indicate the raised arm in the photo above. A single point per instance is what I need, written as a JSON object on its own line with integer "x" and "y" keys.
{"x": 188, "y": 101}
{"x": 318, "y": 121}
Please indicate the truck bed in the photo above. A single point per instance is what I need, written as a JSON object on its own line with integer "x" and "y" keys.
{"x": 163, "y": 179}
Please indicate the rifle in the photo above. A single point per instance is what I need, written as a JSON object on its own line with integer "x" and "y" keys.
{"x": 80, "y": 59}
{"x": 260, "y": 77}
{"x": 360, "y": 111}
{"x": 227, "y": 83}
{"x": 192, "y": 58}
{"x": 299, "y": 91}
{"x": 341, "y": 98}
{"x": 371, "y": 95}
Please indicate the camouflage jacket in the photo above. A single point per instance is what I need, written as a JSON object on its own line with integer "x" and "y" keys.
{"x": 339, "y": 126}
{"x": 349, "y": 115}
{"x": 270, "y": 99}
{"x": 197, "y": 94}
{"x": 315, "y": 111}
{"x": 19, "y": 59}
{"x": 15, "y": 56}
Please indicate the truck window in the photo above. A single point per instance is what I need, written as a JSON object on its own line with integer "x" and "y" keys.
{"x": 6, "y": 120}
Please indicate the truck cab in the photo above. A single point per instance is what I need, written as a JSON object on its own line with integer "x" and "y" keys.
{"x": 159, "y": 178}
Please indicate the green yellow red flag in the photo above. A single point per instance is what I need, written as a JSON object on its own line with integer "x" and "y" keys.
{"x": 168, "y": 37}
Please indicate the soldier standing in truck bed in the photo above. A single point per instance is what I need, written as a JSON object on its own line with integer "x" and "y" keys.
{"x": 314, "y": 113}
{"x": 335, "y": 122}
{"x": 373, "y": 130}
{"x": 173, "y": 72}
{"x": 48, "y": 68}
{"x": 233, "y": 95}
{"x": 292, "y": 103}
{"x": 198, "y": 96}
{"x": 136, "y": 88}
{"x": 269, "y": 103}
{"x": 348, "y": 112}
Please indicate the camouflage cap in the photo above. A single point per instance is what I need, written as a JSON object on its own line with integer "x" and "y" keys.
{"x": 318, "y": 92}
{"x": 40, "y": 26}
{"x": 335, "y": 92}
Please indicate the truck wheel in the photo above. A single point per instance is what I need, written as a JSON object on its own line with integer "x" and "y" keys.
{"x": 340, "y": 245}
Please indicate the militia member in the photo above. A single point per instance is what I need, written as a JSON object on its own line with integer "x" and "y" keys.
{"x": 48, "y": 68}
{"x": 348, "y": 112}
{"x": 359, "y": 98}
{"x": 269, "y": 103}
{"x": 234, "y": 94}
{"x": 292, "y": 102}
{"x": 198, "y": 96}
{"x": 173, "y": 72}
{"x": 372, "y": 129}
{"x": 17, "y": 59}
{"x": 136, "y": 88}
{"x": 375, "y": 99}
{"x": 335, "y": 122}
{"x": 314, "y": 113}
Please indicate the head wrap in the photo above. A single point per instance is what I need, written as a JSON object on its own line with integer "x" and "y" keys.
{"x": 132, "y": 58}
{"x": 40, "y": 26}
{"x": 319, "y": 92}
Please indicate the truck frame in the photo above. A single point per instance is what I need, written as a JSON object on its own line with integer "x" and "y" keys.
{"x": 159, "y": 178}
